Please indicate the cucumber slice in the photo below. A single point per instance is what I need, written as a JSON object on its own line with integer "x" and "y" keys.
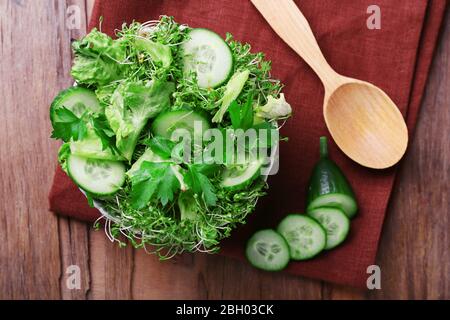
{"x": 236, "y": 177}
{"x": 166, "y": 123}
{"x": 328, "y": 186}
{"x": 77, "y": 100}
{"x": 99, "y": 177}
{"x": 209, "y": 56}
{"x": 343, "y": 202}
{"x": 335, "y": 223}
{"x": 267, "y": 250}
{"x": 305, "y": 236}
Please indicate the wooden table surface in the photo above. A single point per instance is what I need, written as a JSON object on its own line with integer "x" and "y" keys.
{"x": 36, "y": 247}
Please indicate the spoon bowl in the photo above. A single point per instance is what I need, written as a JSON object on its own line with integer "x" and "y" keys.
{"x": 366, "y": 124}
{"x": 363, "y": 121}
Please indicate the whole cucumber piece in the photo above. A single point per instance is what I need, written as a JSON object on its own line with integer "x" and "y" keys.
{"x": 328, "y": 186}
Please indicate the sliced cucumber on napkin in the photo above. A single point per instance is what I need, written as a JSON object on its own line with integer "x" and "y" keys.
{"x": 335, "y": 223}
{"x": 267, "y": 250}
{"x": 305, "y": 236}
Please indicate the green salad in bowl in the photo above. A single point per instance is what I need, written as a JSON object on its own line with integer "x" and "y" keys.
{"x": 169, "y": 131}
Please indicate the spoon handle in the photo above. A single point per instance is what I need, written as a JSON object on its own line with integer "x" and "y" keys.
{"x": 291, "y": 25}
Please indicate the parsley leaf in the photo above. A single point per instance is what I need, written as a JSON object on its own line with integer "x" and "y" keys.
{"x": 153, "y": 180}
{"x": 161, "y": 146}
{"x": 168, "y": 185}
{"x": 242, "y": 116}
{"x": 235, "y": 114}
{"x": 67, "y": 125}
{"x": 103, "y": 130}
{"x": 199, "y": 183}
{"x": 247, "y": 113}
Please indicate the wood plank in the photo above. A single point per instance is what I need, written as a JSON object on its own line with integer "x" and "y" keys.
{"x": 74, "y": 252}
{"x": 34, "y": 65}
{"x": 241, "y": 281}
{"x": 111, "y": 267}
{"x": 73, "y": 235}
{"x": 413, "y": 264}
{"x": 201, "y": 276}
{"x": 402, "y": 237}
{"x": 415, "y": 255}
{"x": 178, "y": 278}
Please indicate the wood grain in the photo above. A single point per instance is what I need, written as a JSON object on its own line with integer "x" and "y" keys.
{"x": 73, "y": 235}
{"x": 111, "y": 268}
{"x": 417, "y": 226}
{"x": 31, "y": 73}
{"x": 36, "y": 247}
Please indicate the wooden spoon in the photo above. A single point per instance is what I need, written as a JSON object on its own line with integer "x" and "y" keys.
{"x": 363, "y": 121}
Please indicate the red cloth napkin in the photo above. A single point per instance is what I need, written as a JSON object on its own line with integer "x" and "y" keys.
{"x": 396, "y": 58}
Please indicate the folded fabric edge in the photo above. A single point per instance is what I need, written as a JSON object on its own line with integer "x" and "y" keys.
{"x": 429, "y": 39}
{"x": 60, "y": 194}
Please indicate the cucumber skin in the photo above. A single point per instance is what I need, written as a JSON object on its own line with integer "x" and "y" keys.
{"x": 311, "y": 219}
{"x": 272, "y": 270}
{"x": 245, "y": 184}
{"x": 96, "y": 194}
{"x": 233, "y": 60}
{"x": 327, "y": 178}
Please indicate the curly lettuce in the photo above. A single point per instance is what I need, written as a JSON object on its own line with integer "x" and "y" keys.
{"x": 274, "y": 109}
{"x": 132, "y": 104}
{"x": 158, "y": 52}
{"x": 98, "y": 59}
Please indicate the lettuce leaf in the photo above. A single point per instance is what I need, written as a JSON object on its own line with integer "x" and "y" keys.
{"x": 158, "y": 52}
{"x": 92, "y": 146}
{"x": 132, "y": 104}
{"x": 63, "y": 155}
{"x": 98, "y": 59}
{"x": 274, "y": 109}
